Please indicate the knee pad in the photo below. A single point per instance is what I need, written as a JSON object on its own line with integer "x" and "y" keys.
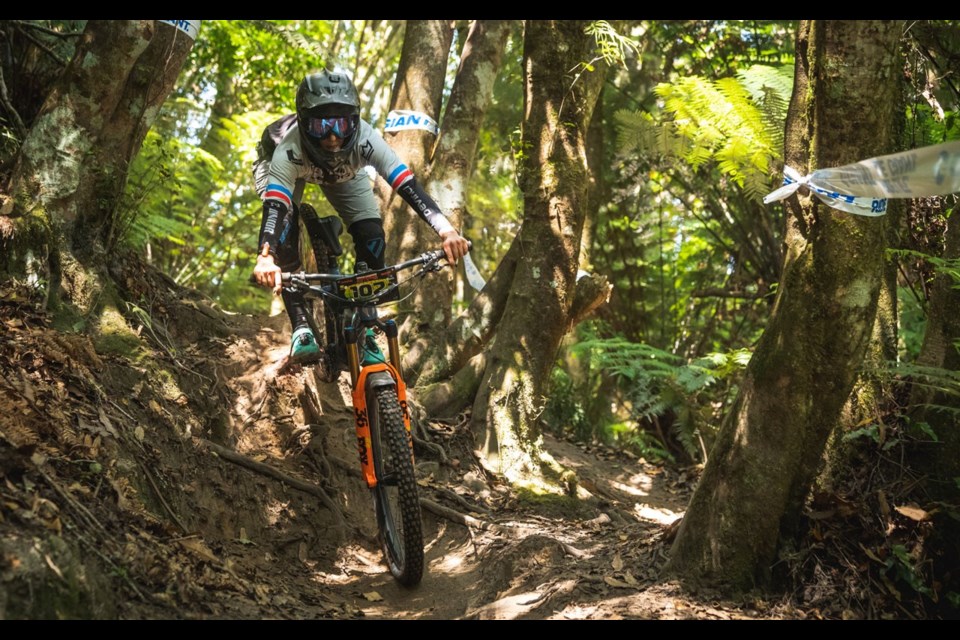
{"x": 369, "y": 242}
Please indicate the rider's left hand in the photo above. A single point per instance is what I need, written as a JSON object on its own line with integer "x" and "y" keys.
{"x": 454, "y": 245}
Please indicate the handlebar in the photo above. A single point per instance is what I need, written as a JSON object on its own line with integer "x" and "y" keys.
{"x": 427, "y": 258}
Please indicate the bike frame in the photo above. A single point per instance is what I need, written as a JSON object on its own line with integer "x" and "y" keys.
{"x": 364, "y": 379}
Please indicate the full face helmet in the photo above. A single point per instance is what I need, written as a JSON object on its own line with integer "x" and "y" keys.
{"x": 327, "y": 104}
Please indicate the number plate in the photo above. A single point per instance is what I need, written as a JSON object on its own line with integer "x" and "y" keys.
{"x": 369, "y": 285}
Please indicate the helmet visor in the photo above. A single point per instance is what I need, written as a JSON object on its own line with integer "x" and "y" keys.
{"x": 320, "y": 128}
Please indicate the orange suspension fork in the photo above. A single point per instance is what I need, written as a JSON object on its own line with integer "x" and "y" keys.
{"x": 362, "y": 416}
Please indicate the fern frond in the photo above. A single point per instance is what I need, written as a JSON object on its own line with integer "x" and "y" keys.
{"x": 611, "y": 46}
{"x": 735, "y": 122}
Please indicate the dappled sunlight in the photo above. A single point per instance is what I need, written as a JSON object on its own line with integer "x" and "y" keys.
{"x": 277, "y": 510}
{"x": 655, "y": 514}
{"x": 454, "y": 563}
{"x": 643, "y": 480}
{"x": 630, "y": 489}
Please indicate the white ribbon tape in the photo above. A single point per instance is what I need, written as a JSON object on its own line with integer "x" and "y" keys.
{"x": 189, "y": 27}
{"x": 401, "y": 120}
{"x": 473, "y": 274}
{"x": 863, "y": 187}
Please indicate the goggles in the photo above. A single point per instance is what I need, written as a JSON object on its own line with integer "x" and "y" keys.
{"x": 320, "y": 128}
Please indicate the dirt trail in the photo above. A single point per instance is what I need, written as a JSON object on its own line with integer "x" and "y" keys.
{"x": 189, "y": 475}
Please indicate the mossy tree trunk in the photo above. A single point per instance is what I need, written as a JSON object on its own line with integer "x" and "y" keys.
{"x": 58, "y": 219}
{"x": 770, "y": 446}
{"x": 442, "y": 165}
{"x": 559, "y": 98}
{"x": 452, "y": 162}
{"x": 418, "y": 87}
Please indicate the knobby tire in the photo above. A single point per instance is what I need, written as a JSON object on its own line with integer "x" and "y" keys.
{"x": 395, "y": 496}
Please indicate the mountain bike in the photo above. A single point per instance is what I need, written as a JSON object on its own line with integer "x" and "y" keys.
{"x": 344, "y": 328}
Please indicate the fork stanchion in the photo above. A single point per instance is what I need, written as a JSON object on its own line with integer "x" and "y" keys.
{"x": 353, "y": 358}
{"x": 393, "y": 345}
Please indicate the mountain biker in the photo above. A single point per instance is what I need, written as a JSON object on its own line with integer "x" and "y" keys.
{"x": 328, "y": 144}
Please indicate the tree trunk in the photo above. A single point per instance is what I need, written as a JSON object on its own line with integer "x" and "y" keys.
{"x": 72, "y": 166}
{"x": 769, "y": 448}
{"x": 452, "y": 163}
{"x": 559, "y": 98}
{"x": 418, "y": 87}
{"x": 431, "y": 358}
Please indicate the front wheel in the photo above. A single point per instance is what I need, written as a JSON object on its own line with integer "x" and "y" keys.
{"x": 395, "y": 496}
{"x": 323, "y": 324}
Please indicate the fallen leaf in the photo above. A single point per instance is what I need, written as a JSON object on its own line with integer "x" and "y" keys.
{"x": 913, "y": 512}
{"x": 871, "y": 554}
{"x": 613, "y": 582}
{"x": 139, "y": 433}
{"x": 373, "y": 596}
{"x": 884, "y": 506}
{"x": 54, "y": 525}
{"x": 199, "y": 548}
{"x": 889, "y": 585}
{"x": 105, "y": 421}
{"x": 54, "y": 567}
{"x": 617, "y": 563}
{"x": 262, "y": 593}
{"x": 302, "y": 552}
{"x": 628, "y": 577}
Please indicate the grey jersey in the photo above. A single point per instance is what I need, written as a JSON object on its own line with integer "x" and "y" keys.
{"x": 280, "y": 178}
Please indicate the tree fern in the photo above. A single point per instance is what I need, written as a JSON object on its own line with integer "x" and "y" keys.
{"x": 735, "y": 122}
{"x": 657, "y": 383}
{"x": 770, "y": 88}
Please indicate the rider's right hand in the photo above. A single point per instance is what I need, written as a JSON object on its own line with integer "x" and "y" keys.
{"x": 267, "y": 273}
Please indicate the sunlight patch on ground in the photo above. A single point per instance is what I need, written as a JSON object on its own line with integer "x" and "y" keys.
{"x": 642, "y": 480}
{"x": 451, "y": 563}
{"x": 660, "y": 516}
{"x": 509, "y": 607}
{"x": 575, "y": 613}
{"x": 333, "y": 578}
{"x": 346, "y": 394}
{"x": 629, "y": 489}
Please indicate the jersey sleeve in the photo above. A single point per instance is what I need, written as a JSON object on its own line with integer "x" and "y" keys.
{"x": 285, "y": 169}
{"x": 398, "y": 175}
{"x": 380, "y": 156}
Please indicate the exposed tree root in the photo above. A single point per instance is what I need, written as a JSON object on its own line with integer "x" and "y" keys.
{"x": 267, "y": 470}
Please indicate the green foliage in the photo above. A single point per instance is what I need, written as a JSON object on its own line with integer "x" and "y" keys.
{"x": 564, "y": 410}
{"x": 936, "y": 379}
{"x": 735, "y": 122}
{"x": 656, "y": 388}
{"x": 946, "y": 266}
{"x": 629, "y": 437}
{"x": 612, "y": 47}
{"x": 165, "y": 178}
{"x": 770, "y": 88}
{"x": 196, "y": 215}
{"x": 912, "y": 324}
{"x": 900, "y": 565}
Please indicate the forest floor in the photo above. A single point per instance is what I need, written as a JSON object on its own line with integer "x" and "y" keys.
{"x": 177, "y": 468}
